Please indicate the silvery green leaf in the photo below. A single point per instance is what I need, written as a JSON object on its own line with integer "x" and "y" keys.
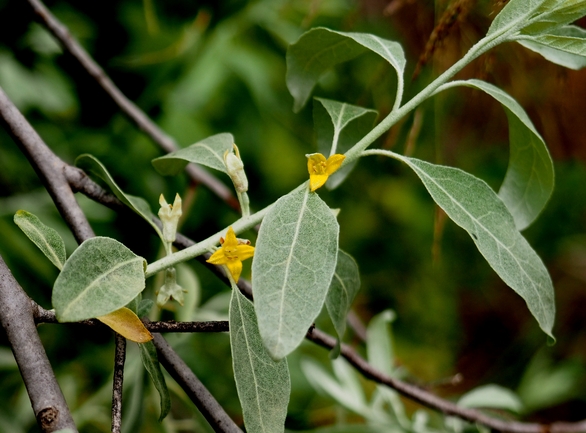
{"x": 514, "y": 15}
{"x": 343, "y": 288}
{"x": 549, "y": 15}
{"x": 209, "y": 152}
{"x": 349, "y": 394}
{"x": 474, "y": 206}
{"x": 101, "y": 276}
{"x": 148, "y": 355}
{"x": 263, "y": 384}
{"x": 338, "y": 127}
{"x": 44, "y": 237}
{"x": 565, "y": 46}
{"x": 378, "y": 342}
{"x": 529, "y": 180}
{"x": 319, "y": 49}
{"x": 139, "y": 205}
{"x": 493, "y": 397}
{"x": 293, "y": 265}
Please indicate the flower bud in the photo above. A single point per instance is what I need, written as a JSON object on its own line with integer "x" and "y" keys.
{"x": 169, "y": 215}
{"x": 235, "y": 169}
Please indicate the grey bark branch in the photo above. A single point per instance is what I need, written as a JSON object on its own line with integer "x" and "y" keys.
{"x": 206, "y": 403}
{"x": 48, "y": 166}
{"x": 131, "y": 110}
{"x": 16, "y": 317}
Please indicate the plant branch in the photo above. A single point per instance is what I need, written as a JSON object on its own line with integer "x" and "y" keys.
{"x": 48, "y": 166}
{"x": 48, "y": 316}
{"x": 16, "y": 317}
{"x": 129, "y": 108}
{"x": 119, "y": 359}
{"x": 206, "y": 403}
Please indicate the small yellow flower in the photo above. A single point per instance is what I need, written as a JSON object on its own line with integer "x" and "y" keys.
{"x": 320, "y": 169}
{"x": 231, "y": 254}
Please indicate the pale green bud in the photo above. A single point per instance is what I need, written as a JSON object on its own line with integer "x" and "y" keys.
{"x": 235, "y": 169}
{"x": 169, "y": 215}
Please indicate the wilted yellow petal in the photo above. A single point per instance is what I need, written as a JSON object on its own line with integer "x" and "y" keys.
{"x": 127, "y": 324}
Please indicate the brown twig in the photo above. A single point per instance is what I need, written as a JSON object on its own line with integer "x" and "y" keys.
{"x": 48, "y": 166}
{"x": 206, "y": 403}
{"x": 119, "y": 359}
{"x": 129, "y": 108}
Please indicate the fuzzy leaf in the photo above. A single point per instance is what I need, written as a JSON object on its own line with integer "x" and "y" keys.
{"x": 294, "y": 262}
{"x": 139, "y": 205}
{"x": 378, "y": 342}
{"x": 148, "y": 355}
{"x": 529, "y": 181}
{"x": 338, "y": 127}
{"x": 474, "y": 206}
{"x": 209, "y": 152}
{"x": 263, "y": 384}
{"x": 101, "y": 276}
{"x": 565, "y": 46}
{"x": 514, "y": 15}
{"x": 127, "y": 324}
{"x": 44, "y": 237}
{"x": 493, "y": 397}
{"x": 343, "y": 288}
{"x": 319, "y": 49}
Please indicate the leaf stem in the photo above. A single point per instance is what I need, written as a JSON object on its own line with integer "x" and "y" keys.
{"x": 397, "y": 113}
{"x": 204, "y": 246}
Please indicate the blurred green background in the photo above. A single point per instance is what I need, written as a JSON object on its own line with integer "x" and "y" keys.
{"x": 200, "y": 68}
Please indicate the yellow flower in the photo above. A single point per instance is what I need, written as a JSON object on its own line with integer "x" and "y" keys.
{"x": 320, "y": 169}
{"x": 231, "y": 254}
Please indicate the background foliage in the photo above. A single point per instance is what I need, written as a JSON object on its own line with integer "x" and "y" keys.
{"x": 201, "y": 68}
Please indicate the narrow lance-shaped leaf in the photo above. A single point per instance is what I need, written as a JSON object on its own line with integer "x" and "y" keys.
{"x": 492, "y": 396}
{"x": 209, "y": 152}
{"x": 44, "y": 237}
{"x": 319, "y": 49}
{"x": 347, "y": 392}
{"x": 529, "y": 180}
{"x": 343, "y": 288}
{"x": 565, "y": 46}
{"x": 293, "y": 265}
{"x": 474, "y": 206}
{"x": 338, "y": 127}
{"x": 263, "y": 384}
{"x": 101, "y": 276}
{"x": 378, "y": 342}
{"x": 139, "y": 205}
{"x": 148, "y": 355}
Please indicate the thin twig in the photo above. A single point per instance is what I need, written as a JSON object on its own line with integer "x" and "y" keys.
{"x": 48, "y": 316}
{"x": 142, "y": 121}
{"x": 206, "y": 403}
{"x": 16, "y": 317}
{"x": 119, "y": 359}
{"x": 48, "y": 166}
